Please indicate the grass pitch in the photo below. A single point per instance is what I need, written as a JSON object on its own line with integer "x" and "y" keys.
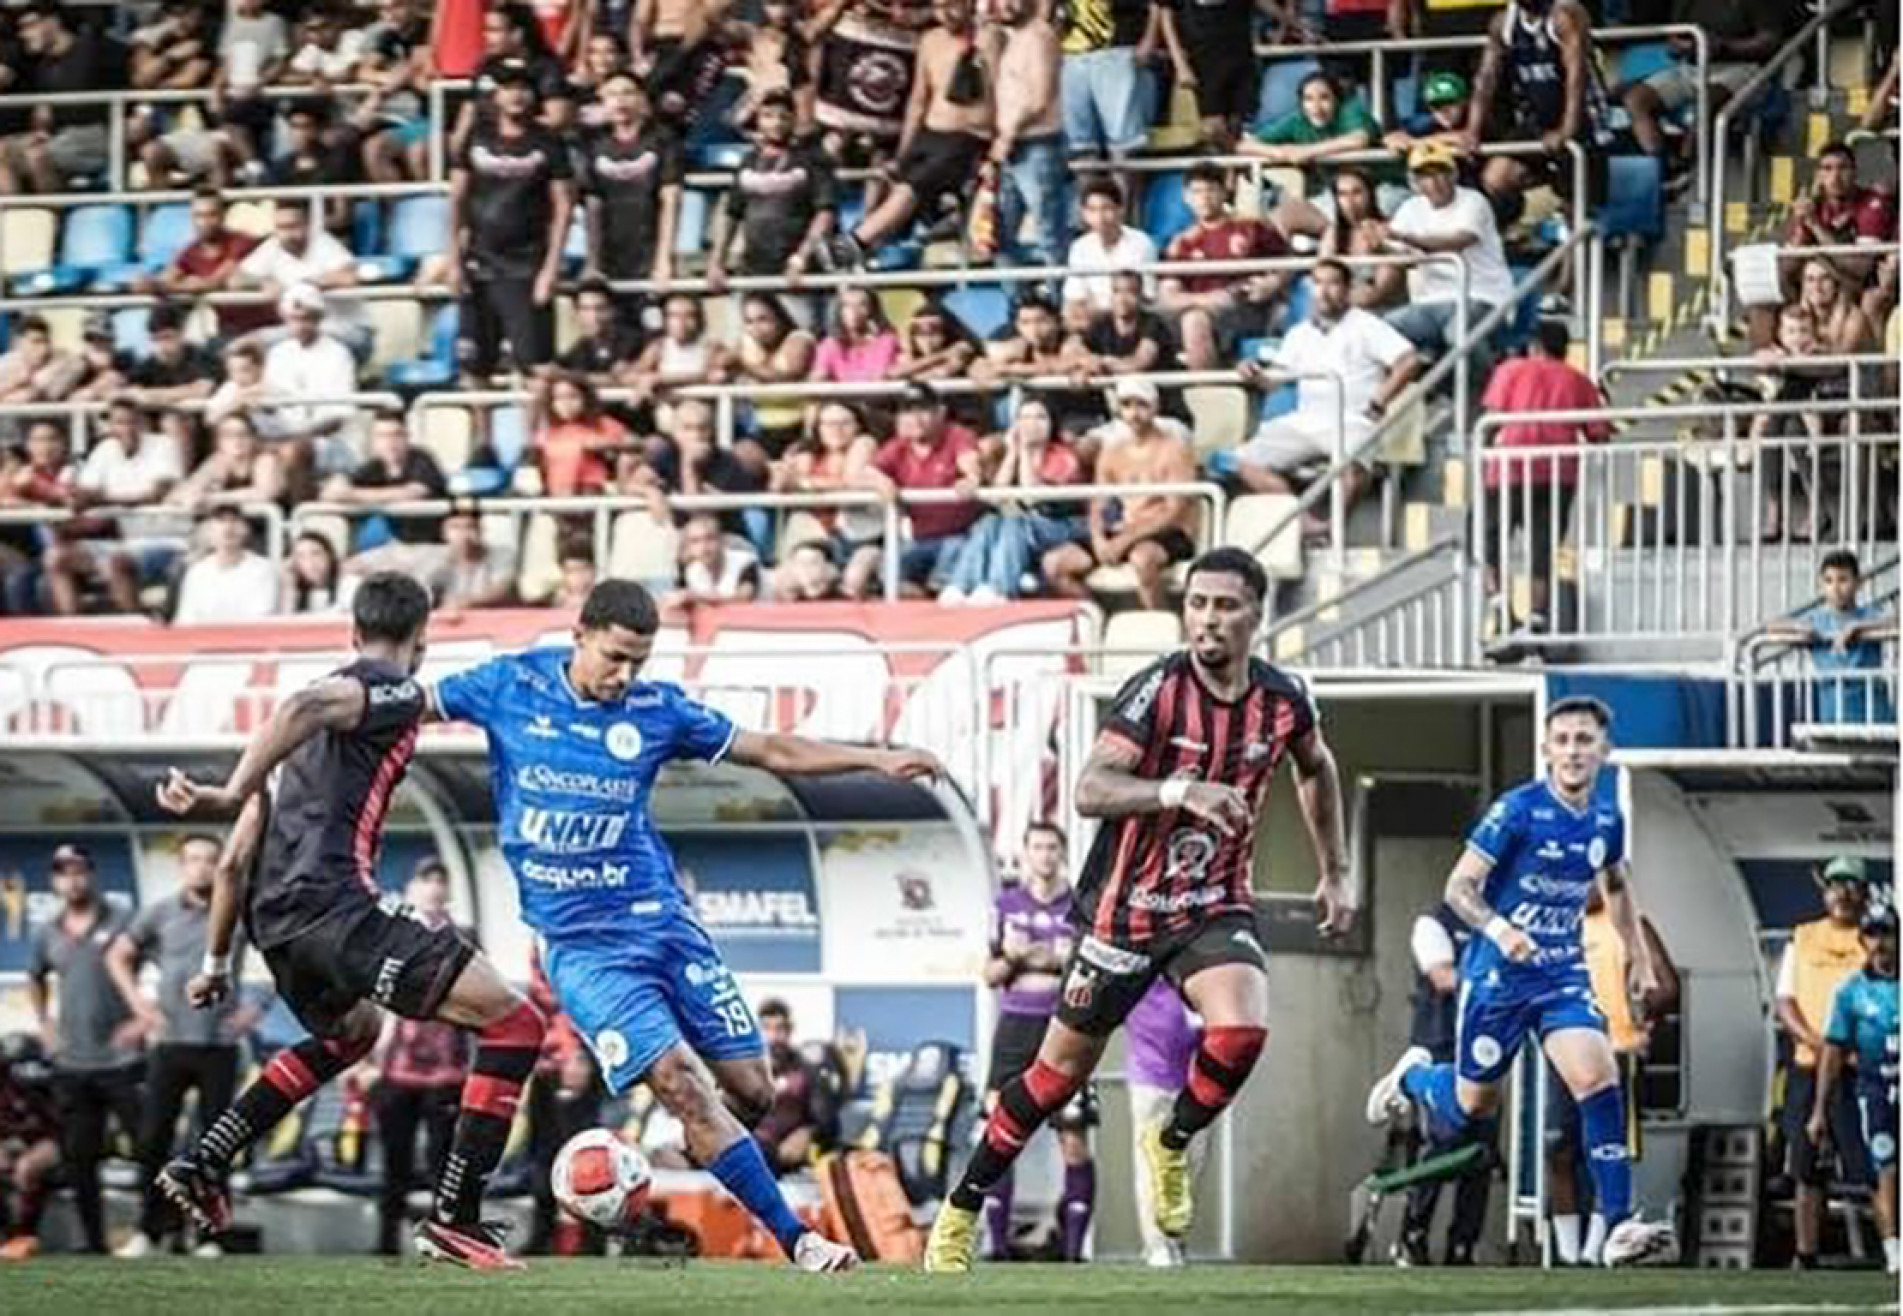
{"x": 296, "y": 1285}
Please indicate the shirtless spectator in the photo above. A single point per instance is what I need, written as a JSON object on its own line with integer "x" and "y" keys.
{"x": 948, "y": 126}
{"x": 1216, "y": 312}
{"x": 1149, "y": 532}
{"x": 1029, "y": 146}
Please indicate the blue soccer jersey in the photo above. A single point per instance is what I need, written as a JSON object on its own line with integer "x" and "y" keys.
{"x": 631, "y": 966}
{"x": 1863, "y": 1020}
{"x": 572, "y": 779}
{"x": 1546, "y": 855}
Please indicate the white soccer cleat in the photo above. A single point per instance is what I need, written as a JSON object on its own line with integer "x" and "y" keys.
{"x": 137, "y": 1245}
{"x": 821, "y": 1255}
{"x": 1167, "y": 1254}
{"x": 1637, "y": 1242}
{"x": 1386, "y": 1101}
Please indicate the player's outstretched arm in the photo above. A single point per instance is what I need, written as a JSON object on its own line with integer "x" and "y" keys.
{"x": 213, "y": 982}
{"x": 1108, "y": 788}
{"x": 1463, "y": 895}
{"x": 1318, "y": 788}
{"x": 333, "y": 705}
{"x": 798, "y": 756}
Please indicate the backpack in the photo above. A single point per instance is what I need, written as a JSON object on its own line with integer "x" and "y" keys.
{"x": 866, "y": 1206}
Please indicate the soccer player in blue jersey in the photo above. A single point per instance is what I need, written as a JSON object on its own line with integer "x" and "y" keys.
{"x": 575, "y": 743}
{"x": 1863, "y": 1024}
{"x": 1522, "y": 883}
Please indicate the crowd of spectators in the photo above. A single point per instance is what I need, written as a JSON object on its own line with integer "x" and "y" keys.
{"x": 568, "y": 142}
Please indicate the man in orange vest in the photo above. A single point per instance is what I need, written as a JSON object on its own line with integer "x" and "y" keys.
{"x": 1820, "y": 956}
{"x": 1629, "y": 1021}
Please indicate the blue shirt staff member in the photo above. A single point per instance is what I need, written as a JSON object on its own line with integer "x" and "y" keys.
{"x": 1522, "y": 884}
{"x": 1863, "y": 1026}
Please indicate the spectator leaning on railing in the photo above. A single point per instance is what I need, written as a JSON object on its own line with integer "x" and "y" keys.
{"x": 1845, "y": 640}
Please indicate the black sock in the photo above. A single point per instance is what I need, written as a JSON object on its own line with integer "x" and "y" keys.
{"x": 288, "y": 1078}
{"x": 505, "y": 1056}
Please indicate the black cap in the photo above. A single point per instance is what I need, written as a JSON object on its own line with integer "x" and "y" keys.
{"x": 513, "y": 72}
{"x": 920, "y": 396}
{"x": 71, "y": 856}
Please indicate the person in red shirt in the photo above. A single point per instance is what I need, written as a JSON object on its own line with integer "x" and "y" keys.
{"x": 1838, "y": 211}
{"x": 1217, "y": 311}
{"x": 44, "y": 479}
{"x": 1537, "y": 492}
{"x": 1004, "y": 547}
{"x": 574, "y": 438}
{"x": 927, "y": 452}
{"x": 207, "y": 264}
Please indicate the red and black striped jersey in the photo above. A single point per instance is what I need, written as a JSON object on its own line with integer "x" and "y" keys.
{"x": 328, "y": 804}
{"x": 1149, "y": 874}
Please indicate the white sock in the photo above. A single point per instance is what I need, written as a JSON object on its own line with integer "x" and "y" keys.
{"x": 1566, "y": 1238}
{"x": 1595, "y": 1240}
{"x": 1890, "y": 1254}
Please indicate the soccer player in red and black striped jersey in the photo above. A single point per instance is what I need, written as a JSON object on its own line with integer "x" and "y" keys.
{"x": 1179, "y": 775}
{"x": 337, "y": 946}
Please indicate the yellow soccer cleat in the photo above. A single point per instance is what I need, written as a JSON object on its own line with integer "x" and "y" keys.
{"x": 1169, "y": 1183}
{"x": 954, "y": 1239}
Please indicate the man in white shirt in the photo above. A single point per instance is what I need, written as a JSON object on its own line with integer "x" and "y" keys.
{"x": 127, "y": 467}
{"x": 713, "y": 570}
{"x": 230, "y": 583}
{"x": 1105, "y": 245}
{"x": 1373, "y": 363}
{"x": 306, "y": 366}
{"x": 1445, "y": 218}
{"x": 296, "y": 254}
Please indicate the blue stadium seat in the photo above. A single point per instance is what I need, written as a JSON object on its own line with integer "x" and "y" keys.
{"x": 1282, "y": 88}
{"x": 438, "y": 369}
{"x": 419, "y": 227}
{"x": 1280, "y": 402}
{"x": 1166, "y": 210}
{"x": 1301, "y": 296}
{"x": 1635, "y": 199}
{"x": 1640, "y": 60}
{"x": 983, "y": 308}
{"x": 366, "y": 228}
{"x": 129, "y": 332}
{"x": 1404, "y": 98}
{"x": 166, "y": 232}
{"x": 690, "y": 231}
{"x": 509, "y": 435}
{"x": 95, "y": 239}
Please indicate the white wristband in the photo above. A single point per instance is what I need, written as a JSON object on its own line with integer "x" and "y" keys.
{"x": 1173, "y": 792}
{"x": 216, "y": 966}
{"x": 1497, "y": 927}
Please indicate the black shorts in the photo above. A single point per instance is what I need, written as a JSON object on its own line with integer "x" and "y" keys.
{"x": 1228, "y": 81}
{"x": 1809, "y": 1164}
{"x": 1536, "y": 511}
{"x": 1014, "y": 1046}
{"x": 379, "y": 954}
{"x": 1174, "y": 541}
{"x": 940, "y": 164}
{"x": 1104, "y": 982}
{"x": 496, "y": 308}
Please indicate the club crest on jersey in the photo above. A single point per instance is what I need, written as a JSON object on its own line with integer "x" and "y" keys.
{"x": 612, "y": 1047}
{"x": 624, "y": 741}
{"x": 915, "y": 892}
{"x": 1080, "y": 987}
{"x": 1485, "y": 1051}
{"x": 1596, "y": 852}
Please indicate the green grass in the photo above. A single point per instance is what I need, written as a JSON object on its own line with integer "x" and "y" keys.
{"x": 298, "y": 1285}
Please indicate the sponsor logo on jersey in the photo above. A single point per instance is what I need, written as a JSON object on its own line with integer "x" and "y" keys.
{"x": 1551, "y": 851}
{"x": 575, "y": 877}
{"x": 585, "y": 731}
{"x": 1114, "y": 959}
{"x": 1609, "y": 1151}
{"x": 1159, "y": 903}
{"x": 1193, "y": 746}
{"x": 612, "y": 1047}
{"x": 557, "y": 831}
{"x": 612, "y": 790}
{"x": 624, "y": 741}
{"x": 542, "y": 728}
{"x": 380, "y": 694}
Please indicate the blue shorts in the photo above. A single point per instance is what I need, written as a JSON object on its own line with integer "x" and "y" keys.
{"x": 634, "y": 997}
{"x": 1494, "y": 1021}
{"x": 1876, "y": 1104}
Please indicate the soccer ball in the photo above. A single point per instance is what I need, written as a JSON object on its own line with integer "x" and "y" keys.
{"x": 600, "y": 1179}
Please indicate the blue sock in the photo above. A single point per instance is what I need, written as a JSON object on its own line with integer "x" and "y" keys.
{"x": 1602, "y": 1121}
{"x": 1432, "y": 1088}
{"x": 743, "y": 1171}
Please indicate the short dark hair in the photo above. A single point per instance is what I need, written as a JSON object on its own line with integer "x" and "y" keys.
{"x": 1334, "y": 263}
{"x": 247, "y": 349}
{"x": 1594, "y": 708}
{"x": 1327, "y": 80}
{"x": 1233, "y": 561}
{"x": 1204, "y": 171}
{"x": 775, "y": 1008}
{"x": 1100, "y": 185}
{"x": 1037, "y": 825}
{"x": 390, "y": 606}
{"x": 1554, "y": 336}
{"x": 779, "y": 98}
{"x": 624, "y": 603}
{"x": 165, "y": 318}
{"x": 206, "y": 192}
{"x": 595, "y": 285}
{"x": 1841, "y": 559}
{"x": 1034, "y": 300}
{"x": 1838, "y": 148}
{"x": 35, "y": 324}
{"x": 920, "y": 396}
{"x": 390, "y": 416}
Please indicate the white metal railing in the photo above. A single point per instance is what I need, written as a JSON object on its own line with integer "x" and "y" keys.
{"x": 182, "y": 518}
{"x": 1816, "y": 27}
{"x": 1781, "y": 700}
{"x": 1671, "y": 539}
{"x": 77, "y": 413}
{"x": 1422, "y": 624}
